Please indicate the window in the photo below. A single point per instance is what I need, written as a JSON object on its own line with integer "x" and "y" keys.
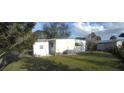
{"x": 79, "y": 44}
{"x": 41, "y": 46}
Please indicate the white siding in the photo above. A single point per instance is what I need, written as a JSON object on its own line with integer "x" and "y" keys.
{"x": 64, "y": 44}
{"x": 44, "y": 48}
{"x": 41, "y": 49}
{"x": 119, "y": 44}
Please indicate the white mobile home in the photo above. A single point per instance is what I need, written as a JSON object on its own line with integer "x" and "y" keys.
{"x": 58, "y": 46}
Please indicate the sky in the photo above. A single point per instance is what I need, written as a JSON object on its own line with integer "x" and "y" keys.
{"x": 81, "y": 29}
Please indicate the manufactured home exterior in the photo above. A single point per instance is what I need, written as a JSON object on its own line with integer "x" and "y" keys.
{"x": 110, "y": 44}
{"x": 58, "y": 46}
{"x": 40, "y": 48}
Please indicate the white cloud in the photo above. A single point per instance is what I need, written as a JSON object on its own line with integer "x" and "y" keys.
{"x": 87, "y": 27}
{"x": 103, "y": 29}
{"x": 114, "y": 25}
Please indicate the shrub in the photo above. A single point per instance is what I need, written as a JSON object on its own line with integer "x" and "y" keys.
{"x": 119, "y": 52}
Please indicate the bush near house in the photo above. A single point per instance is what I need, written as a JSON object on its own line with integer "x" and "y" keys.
{"x": 118, "y": 52}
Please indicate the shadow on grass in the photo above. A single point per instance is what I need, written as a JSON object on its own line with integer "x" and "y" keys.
{"x": 8, "y": 59}
{"x": 119, "y": 65}
{"x": 41, "y": 64}
{"x": 98, "y": 54}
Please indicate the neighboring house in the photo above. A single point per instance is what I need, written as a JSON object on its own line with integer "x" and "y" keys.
{"x": 45, "y": 47}
{"x": 110, "y": 44}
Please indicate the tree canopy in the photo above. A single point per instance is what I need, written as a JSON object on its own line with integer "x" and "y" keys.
{"x": 121, "y": 35}
{"x": 92, "y": 40}
{"x": 113, "y": 38}
{"x": 40, "y": 34}
{"x": 13, "y": 34}
{"x": 56, "y": 30}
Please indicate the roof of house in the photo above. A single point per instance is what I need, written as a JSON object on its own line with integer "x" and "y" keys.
{"x": 46, "y": 40}
{"x": 42, "y": 40}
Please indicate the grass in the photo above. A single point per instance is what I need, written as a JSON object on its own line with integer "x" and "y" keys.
{"x": 93, "y": 61}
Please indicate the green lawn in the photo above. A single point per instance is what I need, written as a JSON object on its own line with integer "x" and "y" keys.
{"x": 95, "y": 61}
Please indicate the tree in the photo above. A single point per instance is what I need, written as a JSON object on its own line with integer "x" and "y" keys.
{"x": 98, "y": 38}
{"x": 121, "y": 35}
{"x": 26, "y": 44}
{"x": 39, "y": 34}
{"x": 113, "y": 38}
{"x": 56, "y": 30}
{"x": 92, "y": 41}
{"x": 12, "y": 38}
{"x": 13, "y": 34}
